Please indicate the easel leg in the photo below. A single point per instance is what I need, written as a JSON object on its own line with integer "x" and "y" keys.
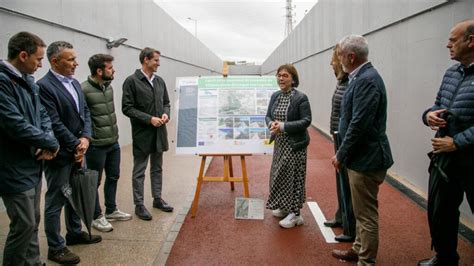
{"x": 244, "y": 176}
{"x": 231, "y": 173}
{"x": 198, "y": 187}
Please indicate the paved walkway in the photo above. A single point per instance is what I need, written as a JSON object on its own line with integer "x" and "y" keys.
{"x": 134, "y": 242}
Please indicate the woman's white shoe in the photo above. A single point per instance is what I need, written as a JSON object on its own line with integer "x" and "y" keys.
{"x": 291, "y": 220}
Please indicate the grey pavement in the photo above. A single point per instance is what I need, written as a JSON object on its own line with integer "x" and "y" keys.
{"x": 134, "y": 242}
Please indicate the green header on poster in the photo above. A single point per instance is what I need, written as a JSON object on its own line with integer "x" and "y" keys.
{"x": 237, "y": 82}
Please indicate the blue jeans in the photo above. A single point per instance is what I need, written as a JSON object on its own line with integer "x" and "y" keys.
{"x": 106, "y": 158}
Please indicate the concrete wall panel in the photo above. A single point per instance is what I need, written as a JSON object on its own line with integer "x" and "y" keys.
{"x": 141, "y": 21}
{"x": 407, "y": 42}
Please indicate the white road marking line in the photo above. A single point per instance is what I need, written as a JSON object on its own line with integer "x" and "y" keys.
{"x": 319, "y": 217}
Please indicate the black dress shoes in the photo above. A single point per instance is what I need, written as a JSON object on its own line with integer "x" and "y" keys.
{"x": 347, "y": 255}
{"x": 142, "y": 213}
{"x": 344, "y": 238}
{"x": 63, "y": 256}
{"x": 333, "y": 223}
{"x": 82, "y": 238}
{"x": 162, "y": 205}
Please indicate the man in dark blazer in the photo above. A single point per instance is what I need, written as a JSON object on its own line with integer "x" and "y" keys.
{"x": 146, "y": 102}
{"x": 364, "y": 148}
{"x": 62, "y": 96}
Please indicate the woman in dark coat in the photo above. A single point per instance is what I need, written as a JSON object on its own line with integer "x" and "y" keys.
{"x": 288, "y": 117}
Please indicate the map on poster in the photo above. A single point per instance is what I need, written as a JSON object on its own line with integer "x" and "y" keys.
{"x": 223, "y": 115}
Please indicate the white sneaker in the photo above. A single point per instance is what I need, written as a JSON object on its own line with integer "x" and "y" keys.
{"x": 291, "y": 220}
{"x": 279, "y": 213}
{"x": 101, "y": 224}
{"x": 118, "y": 215}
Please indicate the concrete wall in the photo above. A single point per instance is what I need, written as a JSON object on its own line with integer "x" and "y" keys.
{"x": 407, "y": 42}
{"x": 244, "y": 70}
{"x": 87, "y": 24}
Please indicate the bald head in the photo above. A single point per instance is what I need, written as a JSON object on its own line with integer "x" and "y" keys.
{"x": 461, "y": 42}
{"x": 467, "y": 26}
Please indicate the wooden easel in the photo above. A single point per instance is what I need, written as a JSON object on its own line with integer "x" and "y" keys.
{"x": 228, "y": 176}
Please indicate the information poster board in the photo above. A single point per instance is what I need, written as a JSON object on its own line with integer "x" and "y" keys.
{"x": 223, "y": 115}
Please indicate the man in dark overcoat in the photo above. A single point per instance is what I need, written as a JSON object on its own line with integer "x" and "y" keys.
{"x": 146, "y": 102}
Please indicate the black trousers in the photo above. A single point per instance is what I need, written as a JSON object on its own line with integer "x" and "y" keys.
{"x": 345, "y": 213}
{"x": 444, "y": 199}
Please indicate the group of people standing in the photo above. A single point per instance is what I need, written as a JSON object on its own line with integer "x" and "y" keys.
{"x": 58, "y": 126}
{"x": 358, "y": 124}
{"x": 63, "y": 123}
{"x": 362, "y": 150}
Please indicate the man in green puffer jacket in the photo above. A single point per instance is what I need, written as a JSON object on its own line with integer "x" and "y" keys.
{"x": 104, "y": 150}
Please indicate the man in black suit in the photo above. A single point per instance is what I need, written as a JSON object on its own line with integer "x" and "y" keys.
{"x": 364, "y": 148}
{"x": 62, "y": 96}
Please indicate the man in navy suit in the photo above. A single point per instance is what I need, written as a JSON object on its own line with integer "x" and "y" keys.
{"x": 364, "y": 148}
{"x": 62, "y": 96}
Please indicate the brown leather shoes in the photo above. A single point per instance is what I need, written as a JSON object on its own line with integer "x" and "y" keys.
{"x": 347, "y": 255}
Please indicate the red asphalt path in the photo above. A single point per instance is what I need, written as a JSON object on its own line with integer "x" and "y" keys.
{"x": 214, "y": 237}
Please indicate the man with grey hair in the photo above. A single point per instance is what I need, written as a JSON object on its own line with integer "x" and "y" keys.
{"x": 452, "y": 116}
{"x": 62, "y": 96}
{"x": 364, "y": 148}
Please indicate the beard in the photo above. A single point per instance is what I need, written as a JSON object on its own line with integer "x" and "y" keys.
{"x": 107, "y": 78}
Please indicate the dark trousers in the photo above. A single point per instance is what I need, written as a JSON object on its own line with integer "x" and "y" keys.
{"x": 140, "y": 162}
{"x": 106, "y": 158}
{"x": 23, "y": 209}
{"x": 57, "y": 177}
{"x": 344, "y": 213}
{"x": 444, "y": 199}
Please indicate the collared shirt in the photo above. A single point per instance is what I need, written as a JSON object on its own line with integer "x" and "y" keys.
{"x": 355, "y": 71}
{"x": 67, "y": 83}
{"x": 12, "y": 68}
{"x": 150, "y": 80}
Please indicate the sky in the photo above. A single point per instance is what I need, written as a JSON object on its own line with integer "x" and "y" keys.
{"x": 236, "y": 30}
